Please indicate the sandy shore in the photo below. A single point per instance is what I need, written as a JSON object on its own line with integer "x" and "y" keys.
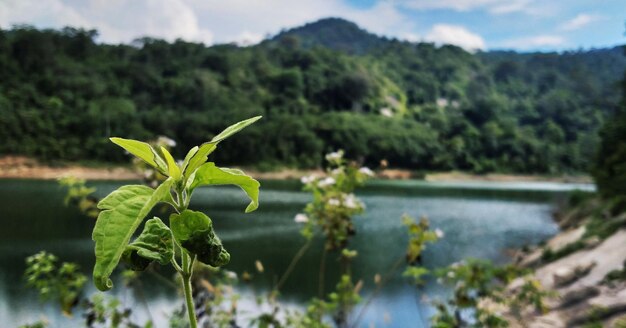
{"x": 18, "y": 167}
{"x": 460, "y": 176}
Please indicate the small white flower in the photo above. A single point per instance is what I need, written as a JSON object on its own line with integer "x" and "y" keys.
{"x": 307, "y": 179}
{"x": 336, "y": 171}
{"x": 350, "y": 201}
{"x": 163, "y": 140}
{"x": 301, "y": 218}
{"x": 439, "y": 233}
{"x": 334, "y": 202}
{"x": 231, "y": 275}
{"x": 327, "y": 182}
{"x": 366, "y": 171}
{"x": 451, "y": 274}
{"x": 334, "y": 156}
{"x": 386, "y": 112}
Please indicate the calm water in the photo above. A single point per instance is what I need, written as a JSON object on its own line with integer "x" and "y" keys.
{"x": 479, "y": 219}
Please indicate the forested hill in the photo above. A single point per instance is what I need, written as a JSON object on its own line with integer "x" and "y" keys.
{"x": 333, "y": 33}
{"x": 323, "y": 86}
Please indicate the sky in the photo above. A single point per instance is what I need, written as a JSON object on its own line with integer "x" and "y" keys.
{"x": 523, "y": 25}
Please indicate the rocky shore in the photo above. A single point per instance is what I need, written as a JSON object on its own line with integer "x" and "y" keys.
{"x": 584, "y": 267}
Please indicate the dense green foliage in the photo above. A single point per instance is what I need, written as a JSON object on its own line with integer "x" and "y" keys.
{"x": 610, "y": 167}
{"x": 321, "y": 87}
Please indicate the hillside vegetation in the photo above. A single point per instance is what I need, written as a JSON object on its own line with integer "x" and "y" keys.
{"x": 322, "y": 86}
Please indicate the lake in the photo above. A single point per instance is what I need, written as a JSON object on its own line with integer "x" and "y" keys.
{"x": 480, "y": 219}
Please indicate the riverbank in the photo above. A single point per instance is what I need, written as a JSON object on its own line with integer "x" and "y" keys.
{"x": 19, "y": 167}
{"x": 583, "y": 267}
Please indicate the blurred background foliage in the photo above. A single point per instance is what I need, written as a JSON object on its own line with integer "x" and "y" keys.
{"x": 322, "y": 86}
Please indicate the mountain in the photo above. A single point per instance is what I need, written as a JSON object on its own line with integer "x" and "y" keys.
{"x": 333, "y": 33}
{"x": 324, "y": 86}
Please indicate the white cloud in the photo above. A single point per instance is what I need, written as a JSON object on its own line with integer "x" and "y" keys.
{"x": 537, "y": 41}
{"x": 116, "y": 20}
{"x": 578, "y": 22}
{"x": 241, "y": 21}
{"x": 49, "y": 13}
{"x": 505, "y": 7}
{"x": 492, "y": 6}
{"x": 457, "y": 35}
{"x": 384, "y": 18}
{"x": 228, "y": 18}
{"x": 411, "y": 37}
{"x": 247, "y": 38}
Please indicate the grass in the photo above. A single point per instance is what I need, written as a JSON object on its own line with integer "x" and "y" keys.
{"x": 550, "y": 256}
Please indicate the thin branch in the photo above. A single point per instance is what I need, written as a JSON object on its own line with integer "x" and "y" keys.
{"x": 321, "y": 274}
{"x": 375, "y": 293}
{"x": 293, "y": 263}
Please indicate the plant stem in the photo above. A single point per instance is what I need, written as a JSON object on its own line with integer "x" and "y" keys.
{"x": 186, "y": 265}
{"x": 375, "y": 293}
{"x": 293, "y": 263}
{"x": 189, "y": 300}
{"x": 322, "y": 272}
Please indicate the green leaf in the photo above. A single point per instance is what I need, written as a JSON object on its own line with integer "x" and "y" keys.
{"x": 122, "y": 212}
{"x": 194, "y": 232}
{"x": 189, "y": 156}
{"x": 209, "y": 174}
{"x": 172, "y": 168}
{"x": 161, "y": 165}
{"x": 154, "y": 244}
{"x": 229, "y": 131}
{"x": 137, "y": 148}
{"x": 200, "y": 157}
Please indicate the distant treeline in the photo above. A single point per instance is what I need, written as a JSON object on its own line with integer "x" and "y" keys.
{"x": 416, "y": 105}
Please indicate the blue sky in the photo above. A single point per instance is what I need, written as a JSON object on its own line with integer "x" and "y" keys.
{"x": 524, "y": 25}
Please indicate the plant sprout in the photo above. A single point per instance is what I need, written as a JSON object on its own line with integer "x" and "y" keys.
{"x": 190, "y": 235}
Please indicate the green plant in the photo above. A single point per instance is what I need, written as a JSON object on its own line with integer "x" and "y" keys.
{"x": 334, "y": 203}
{"x": 419, "y": 235}
{"x": 38, "y": 324}
{"x": 190, "y": 235}
{"x": 79, "y": 195}
{"x": 549, "y": 255}
{"x": 104, "y": 311}
{"x": 151, "y": 176}
{"x": 478, "y": 286}
{"x": 62, "y": 283}
{"x": 615, "y": 275}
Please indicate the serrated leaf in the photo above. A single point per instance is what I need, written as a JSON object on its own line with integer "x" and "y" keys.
{"x": 209, "y": 174}
{"x": 194, "y": 232}
{"x": 122, "y": 212}
{"x": 229, "y": 131}
{"x": 172, "y": 168}
{"x": 154, "y": 244}
{"x": 137, "y": 148}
